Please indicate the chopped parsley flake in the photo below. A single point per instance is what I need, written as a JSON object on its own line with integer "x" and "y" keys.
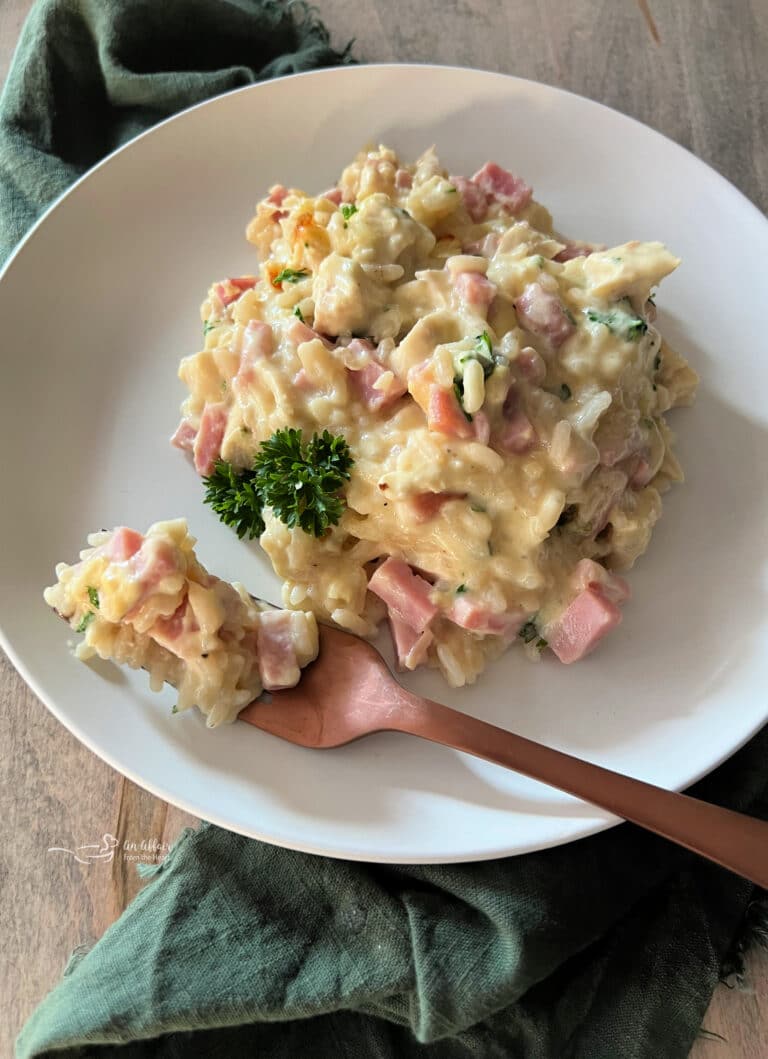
{"x": 297, "y": 312}
{"x": 93, "y": 596}
{"x": 85, "y": 621}
{"x": 529, "y": 631}
{"x": 458, "y": 389}
{"x": 619, "y": 322}
{"x": 209, "y": 326}
{"x": 290, "y": 275}
{"x": 460, "y": 589}
{"x": 348, "y": 209}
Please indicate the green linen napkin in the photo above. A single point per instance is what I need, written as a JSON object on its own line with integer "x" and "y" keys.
{"x": 607, "y": 948}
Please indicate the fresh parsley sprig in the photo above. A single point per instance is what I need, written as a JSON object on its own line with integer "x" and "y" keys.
{"x": 234, "y": 497}
{"x": 301, "y": 482}
{"x": 290, "y": 275}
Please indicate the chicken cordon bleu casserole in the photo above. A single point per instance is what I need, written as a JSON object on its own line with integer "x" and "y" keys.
{"x": 430, "y": 407}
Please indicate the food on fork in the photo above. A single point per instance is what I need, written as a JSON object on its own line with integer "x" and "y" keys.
{"x": 475, "y": 406}
{"x": 145, "y": 601}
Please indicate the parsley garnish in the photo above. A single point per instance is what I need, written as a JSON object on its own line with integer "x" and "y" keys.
{"x": 530, "y": 632}
{"x": 458, "y": 389}
{"x": 460, "y": 589}
{"x": 484, "y": 344}
{"x": 297, "y": 312}
{"x": 234, "y": 497}
{"x": 570, "y": 315}
{"x": 451, "y": 190}
{"x": 348, "y": 209}
{"x": 290, "y": 275}
{"x": 299, "y": 481}
{"x": 93, "y": 596}
{"x": 619, "y": 322}
{"x": 209, "y": 326}
{"x": 85, "y": 621}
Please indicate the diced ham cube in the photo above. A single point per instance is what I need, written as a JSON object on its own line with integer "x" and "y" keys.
{"x": 516, "y": 433}
{"x": 123, "y": 544}
{"x": 258, "y": 343}
{"x": 231, "y": 289}
{"x": 410, "y": 646}
{"x": 475, "y": 199}
{"x": 374, "y": 399}
{"x": 571, "y": 251}
{"x": 482, "y": 425}
{"x": 405, "y": 593}
{"x": 502, "y": 186}
{"x": 333, "y": 195}
{"x": 478, "y": 617}
{"x": 445, "y": 415}
{"x": 426, "y": 506}
{"x": 277, "y": 194}
{"x": 171, "y": 633}
{"x": 299, "y": 332}
{"x": 531, "y": 366}
{"x": 278, "y": 665}
{"x": 642, "y": 473}
{"x": 541, "y": 312}
{"x": 475, "y": 290}
{"x": 582, "y": 625}
{"x": 403, "y": 179}
{"x": 185, "y": 435}
{"x": 207, "y": 448}
{"x": 589, "y": 574}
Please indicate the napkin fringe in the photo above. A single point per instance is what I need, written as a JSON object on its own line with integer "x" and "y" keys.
{"x": 753, "y": 934}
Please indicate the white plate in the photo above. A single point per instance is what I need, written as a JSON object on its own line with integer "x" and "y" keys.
{"x": 102, "y": 299}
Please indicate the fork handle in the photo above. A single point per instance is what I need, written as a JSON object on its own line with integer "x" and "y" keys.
{"x": 731, "y": 839}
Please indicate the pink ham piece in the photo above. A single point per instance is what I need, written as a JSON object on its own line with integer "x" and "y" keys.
{"x": 403, "y": 180}
{"x": 476, "y": 617}
{"x": 642, "y": 474}
{"x": 445, "y": 415}
{"x": 258, "y": 343}
{"x": 207, "y": 448}
{"x": 531, "y": 366}
{"x": 333, "y": 195}
{"x": 426, "y": 506}
{"x": 231, "y": 289}
{"x": 278, "y": 665}
{"x": 362, "y": 383}
{"x": 571, "y": 251}
{"x": 475, "y": 290}
{"x": 502, "y": 186}
{"x": 300, "y": 332}
{"x": 410, "y": 646}
{"x": 482, "y": 426}
{"x": 405, "y": 593}
{"x": 582, "y": 625}
{"x": 516, "y": 433}
{"x": 589, "y": 574}
{"x": 185, "y": 435}
{"x": 475, "y": 199}
{"x": 123, "y": 544}
{"x": 171, "y": 632}
{"x": 277, "y": 194}
{"x": 541, "y": 312}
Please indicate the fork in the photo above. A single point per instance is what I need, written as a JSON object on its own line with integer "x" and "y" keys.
{"x": 349, "y": 692}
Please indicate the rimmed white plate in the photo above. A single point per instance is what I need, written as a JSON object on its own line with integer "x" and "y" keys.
{"x": 101, "y": 300}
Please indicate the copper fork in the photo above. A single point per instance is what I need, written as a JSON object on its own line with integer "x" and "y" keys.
{"x": 348, "y": 693}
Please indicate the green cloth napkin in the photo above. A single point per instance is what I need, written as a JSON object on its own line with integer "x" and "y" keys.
{"x": 607, "y": 948}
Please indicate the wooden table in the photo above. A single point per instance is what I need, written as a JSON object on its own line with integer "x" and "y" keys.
{"x": 695, "y": 70}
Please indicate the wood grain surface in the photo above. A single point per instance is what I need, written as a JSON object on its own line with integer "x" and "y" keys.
{"x": 693, "y": 69}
